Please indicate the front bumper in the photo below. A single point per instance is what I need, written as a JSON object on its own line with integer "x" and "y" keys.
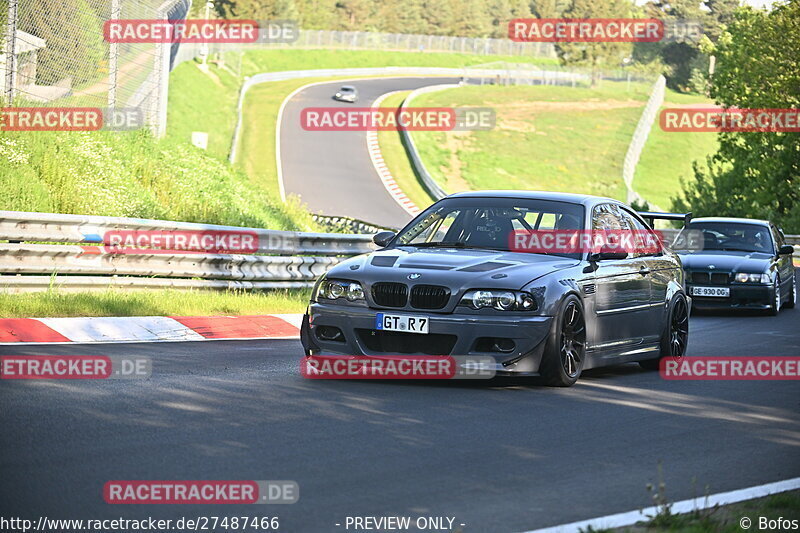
{"x": 742, "y": 296}
{"x": 448, "y": 334}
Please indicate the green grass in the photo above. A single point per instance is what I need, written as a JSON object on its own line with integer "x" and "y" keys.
{"x": 668, "y": 156}
{"x": 205, "y": 102}
{"x": 725, "y": 519}
{"x": 546, "y": 137}
{"x": 165, "y": 302}
{"x": 130, "y": 174}
{"x": 395, "y": 157}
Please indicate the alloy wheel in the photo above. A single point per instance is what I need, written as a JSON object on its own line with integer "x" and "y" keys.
{"x": 573, "y": 340}
{"x": 679, "y": 328}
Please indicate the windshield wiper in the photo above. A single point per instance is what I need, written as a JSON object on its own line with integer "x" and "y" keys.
{"x": 737, "y": 250}
{"x": 454, "y": 244}
{"x": 439, "y": 244}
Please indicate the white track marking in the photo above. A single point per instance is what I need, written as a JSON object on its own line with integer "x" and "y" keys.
{"x": 685, "y": 506}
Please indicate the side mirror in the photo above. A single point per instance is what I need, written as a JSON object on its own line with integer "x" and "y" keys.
{"x": 608, "y": 253}
{"x": 786, "y": 249}
{"x": 383, "y": 238}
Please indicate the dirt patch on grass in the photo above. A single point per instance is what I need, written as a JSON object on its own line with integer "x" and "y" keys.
{"x": 453, "y": 142}
{"x": 592, "y": 104}
{"x": 520, "y": 116}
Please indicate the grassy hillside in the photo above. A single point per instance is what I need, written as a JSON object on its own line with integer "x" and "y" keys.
{"x": 667, "y": 158}
{"x": 552, "y": 138}
{"x": 132, "y": 175}
{"x": 546, "y": 137}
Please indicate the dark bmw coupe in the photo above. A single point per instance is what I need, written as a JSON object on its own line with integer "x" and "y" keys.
{"x": 737, "y": 263}
{"x": 450, "y": 283}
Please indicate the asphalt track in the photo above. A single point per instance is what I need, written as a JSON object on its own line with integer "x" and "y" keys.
{"x": 331, "y": 171}
{"x": 498, "y": 456}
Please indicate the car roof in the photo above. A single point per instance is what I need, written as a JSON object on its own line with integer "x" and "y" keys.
{"x": 733, "y": 220}
{"x": 584, "y": 199}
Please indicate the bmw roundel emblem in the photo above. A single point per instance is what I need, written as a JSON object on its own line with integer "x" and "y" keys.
{"x": 415, "y": 275}
{"x": 711, "y": 267}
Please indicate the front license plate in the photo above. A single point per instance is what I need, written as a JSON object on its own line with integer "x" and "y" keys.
{"x": 408, "y": 324}
{"x": 714, "y": 292}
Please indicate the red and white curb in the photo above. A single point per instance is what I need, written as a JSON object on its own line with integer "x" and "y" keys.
{"x": 148, "y": 328}
{"x": 384, "y": 174}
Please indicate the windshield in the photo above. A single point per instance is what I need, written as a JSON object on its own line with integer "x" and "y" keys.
{"x": 729, "y": 236}
{"x": 488, "y": 223}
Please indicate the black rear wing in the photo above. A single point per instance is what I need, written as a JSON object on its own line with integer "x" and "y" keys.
{"x": 650, "y": 217}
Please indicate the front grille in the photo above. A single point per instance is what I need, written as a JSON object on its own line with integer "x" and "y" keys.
{"x": 396, "y": 342}
{"x": 714, "y": 278}
{"x": 429, "y": 296}
{"x": 390, "y": 294}
{"x": 719, "y": 278}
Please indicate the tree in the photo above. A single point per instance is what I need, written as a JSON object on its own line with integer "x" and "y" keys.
{"x": 596, "y": 55}
{"x": 754, "y": 174}
{"x": 685, "y": 64}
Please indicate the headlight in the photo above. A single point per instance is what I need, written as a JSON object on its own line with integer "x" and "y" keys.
{"x": 502, "y": 300}
{"x": 744, "y": 277}
{"x": 338, "y": 95}
{"x": 333, "y": 289}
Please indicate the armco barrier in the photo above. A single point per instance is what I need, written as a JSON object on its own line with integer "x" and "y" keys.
{"x": 284, "y": 259}
{"x": 433, "y": 188}
{"x": 46, "y": 227}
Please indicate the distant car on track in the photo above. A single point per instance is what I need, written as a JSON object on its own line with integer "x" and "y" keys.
{"x": 346, "y": 93}
{"x": 450, "y": 283}
{"x": 737, "y": 263}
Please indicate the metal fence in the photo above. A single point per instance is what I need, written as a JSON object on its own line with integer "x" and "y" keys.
{"x": 640, "y": 137}
{"x": 72, "y": 252}
{"x": 364, "y": 40}
{"x": 55, "y": 54}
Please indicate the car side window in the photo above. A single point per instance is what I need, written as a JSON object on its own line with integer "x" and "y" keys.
{"x": 642, "y": 234}
{"x": 777, "y": 234}
{"x": 605, "y": 217}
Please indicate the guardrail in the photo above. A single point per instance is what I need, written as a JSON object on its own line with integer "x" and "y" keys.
{"x": 430, "y": 185}
{"x": 74, "y": 252}
{"x": 76, "y": 256}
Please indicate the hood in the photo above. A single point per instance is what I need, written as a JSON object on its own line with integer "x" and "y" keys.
{"x": 452, "y": 267}
{"x": 725, "y": 261}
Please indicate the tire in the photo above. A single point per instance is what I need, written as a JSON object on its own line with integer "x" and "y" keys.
{"x": 565, "y": 351}
{"x": 675, "y": 337}
{"x": 792, "y": 301}
{"x": 775, "y": 306}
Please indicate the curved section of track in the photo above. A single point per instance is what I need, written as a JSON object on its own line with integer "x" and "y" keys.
{"x": 331, "y": 171}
